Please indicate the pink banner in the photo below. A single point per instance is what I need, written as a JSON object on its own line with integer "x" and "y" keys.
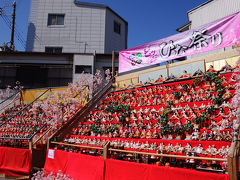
{"x": 216, "y": 35}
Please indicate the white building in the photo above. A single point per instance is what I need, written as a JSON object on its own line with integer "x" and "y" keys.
{"x": 70, "y": 26}
{"x": 208, "y": 12}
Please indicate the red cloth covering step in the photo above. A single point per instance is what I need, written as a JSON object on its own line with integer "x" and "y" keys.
{"x": 156, "y": 107}
{"x": 152, "y": 86}
{"x": 190, "y": 81}
{"x": 15, "y": 162}
{"x": 122, "y": 170}
{"x": 205, "y": 144}
{"x": 74, "y": 165}
{"x": 228, "y": 75}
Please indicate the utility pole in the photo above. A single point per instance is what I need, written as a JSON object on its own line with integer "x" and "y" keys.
{"x": 13, "y": 26}
{"x": 11, "y": 47}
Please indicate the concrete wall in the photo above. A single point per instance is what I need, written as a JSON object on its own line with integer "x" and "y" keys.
{"x": 32, "y": 20}
{"x": 36, "y": 59}
{"x": 212, "y": 11}
{"x": 115, "y": 41}
{"x": 176, "y": 69}
{"x": 90, "y": 29}
{"x": 47, "y": 70}
{"x": 35, "y": 76}
{"x": 84, "y": 29}
{"x": 7, "y": 75}
{"x": 103, "y": 61}
{"x": 35, "y": 70}
{"x": 83, "y": 60}
{"x": 152, "y": 76}
{"x": 82, "y": 25}
{"x": 191, "y": 68}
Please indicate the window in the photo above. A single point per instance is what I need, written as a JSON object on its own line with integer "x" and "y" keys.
{"x": 117, "y": 27}
{"x": 86, "y": 69}
{"x": 53, "y": 49}
{"x": 55, "y": 19}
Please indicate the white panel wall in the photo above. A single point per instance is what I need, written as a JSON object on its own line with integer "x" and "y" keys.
{"x": 152, "y": 76}
{"x": 82, "y": 25}
{"x": 115, "y": 41}
{"x": 84, "y": 28}
{"x": 87, "y": 60}
{"x": 31, "y": 29}
{"x": 190, "y": 68}
{"x": 212, "y": 11}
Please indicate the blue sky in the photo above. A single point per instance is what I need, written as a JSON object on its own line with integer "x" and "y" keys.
{"x": 148, "y": 20}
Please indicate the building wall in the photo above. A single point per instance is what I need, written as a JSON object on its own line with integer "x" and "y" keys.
{"x": 82, "y": 60}
{"x": 36, "y": 59}
{"x": 84, "y": 28}
{"x": 59, "y": 76}
{"x": 31, "y": 36}
{"x": 90, "y": 29}
{"x": 35, "y": 76}
{"x": 35, "y": 70}
{"x": 105, "y": 61}
{"x": 7, "y": 75}
{"x": 212, "y": 11}
{"x": 115, "y": 41}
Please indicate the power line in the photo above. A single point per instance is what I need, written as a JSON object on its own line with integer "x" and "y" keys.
{"x": 6, "y": 16}
{"x": 20, "y": 33}
{"x": 16, "y": 30}
{"x": 19, "y": 37}
{"x": 9, "y": 25}
{"x": 13, "y": 15}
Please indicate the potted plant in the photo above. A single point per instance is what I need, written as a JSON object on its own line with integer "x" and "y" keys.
{"x": 95, "y": 130}
{"x": 197, "y": 82}
{"x": 220, "y": 92}
{"x": 188, "y": 128}
{"x": 185, "y": 87}
{"x": 178, "y": 130}
{"x": 203, "y": 119}
{"x": 124, "y": 97}
{"x": 164, "y": 118}
{"x": 196, "y": 122}
{"x": 168, "y": 106}
{"x": 126, "y": 108}
{"x": 108, "y": 108}
{"x": 177, "y": 95}
{"x": 218, "y": 100}
{"x": 209, "y": 77}
{"x": 170, "y": 130}
{"x": 164, "y": 131}
{"x": 106, "y": 131}
{"x": 211, "y": 110}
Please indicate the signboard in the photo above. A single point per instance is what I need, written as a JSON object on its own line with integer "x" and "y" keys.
{"x": 51, "y": 153}
{"x": 215, "y": 35}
